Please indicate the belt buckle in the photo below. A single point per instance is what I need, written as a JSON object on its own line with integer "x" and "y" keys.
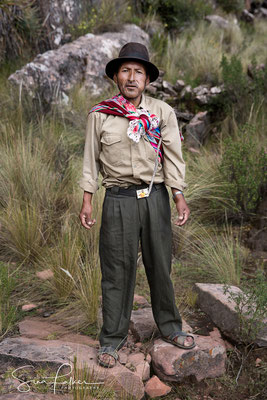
{"x": 141, "y": 193}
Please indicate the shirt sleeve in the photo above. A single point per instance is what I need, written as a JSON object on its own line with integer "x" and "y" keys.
{"x": 92, "y": 147}
{"x": 173, "y": 163}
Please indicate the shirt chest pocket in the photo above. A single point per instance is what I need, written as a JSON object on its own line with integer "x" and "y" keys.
{"x": 111, "y": 146}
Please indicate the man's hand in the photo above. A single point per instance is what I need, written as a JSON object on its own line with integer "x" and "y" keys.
{"x": 182, "y": 210}
{"x": 86, "y": 211}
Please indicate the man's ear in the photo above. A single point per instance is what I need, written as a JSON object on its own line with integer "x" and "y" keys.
{"x": 147, "y": 80}
{"x": 115, "y": 79}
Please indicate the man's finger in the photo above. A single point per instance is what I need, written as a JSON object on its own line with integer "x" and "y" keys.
{"x": 87, "y": 222}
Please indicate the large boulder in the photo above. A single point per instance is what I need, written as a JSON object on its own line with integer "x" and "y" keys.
{"x": 206, "y": 360}
{"x": 220, "y": 306}
{"x": 52, "y": 75}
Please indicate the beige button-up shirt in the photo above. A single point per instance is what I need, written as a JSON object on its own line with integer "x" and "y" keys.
{"x": 121, "y": 161}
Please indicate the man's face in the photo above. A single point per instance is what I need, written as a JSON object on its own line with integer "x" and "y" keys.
{"x": 131, "y": 80}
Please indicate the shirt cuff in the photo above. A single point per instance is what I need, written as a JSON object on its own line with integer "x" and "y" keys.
{"x": 90, "y": 187}
{"x": 179, "y": 185}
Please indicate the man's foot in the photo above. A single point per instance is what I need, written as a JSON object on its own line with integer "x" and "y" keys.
{"x": 107, "y": 356}
{"x": 181, "y": 339}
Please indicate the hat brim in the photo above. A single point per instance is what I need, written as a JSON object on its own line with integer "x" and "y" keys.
{"x": 113, "y": 66}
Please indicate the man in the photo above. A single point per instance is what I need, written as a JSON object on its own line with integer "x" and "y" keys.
{"x": 133, "y": 139}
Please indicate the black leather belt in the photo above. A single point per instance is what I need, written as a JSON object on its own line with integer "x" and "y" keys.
{"x": 131, "y": 190}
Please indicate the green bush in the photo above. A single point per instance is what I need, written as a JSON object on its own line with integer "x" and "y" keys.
{"x": 241, "y": 92}
{"x": 251, "y": 306}
{"x": 243, "y": 165}
{"x": 233, "y": 6}
{"x": 175, "y": 14}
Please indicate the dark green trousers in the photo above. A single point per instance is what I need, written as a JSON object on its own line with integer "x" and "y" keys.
{"x": 125, "y": 221}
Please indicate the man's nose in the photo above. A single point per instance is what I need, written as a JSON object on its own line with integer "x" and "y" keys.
{"x": 131, "y": 75}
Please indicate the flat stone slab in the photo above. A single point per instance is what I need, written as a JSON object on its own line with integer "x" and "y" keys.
{"x": 206, "y": 360}
{"x": 220, "y": 307}
{"x": 43, "y": 328}
{"x": 34, "y": 396}
{"x": 59, "y": 355}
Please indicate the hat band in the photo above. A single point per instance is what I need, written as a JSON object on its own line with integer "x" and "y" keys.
{"x": 134, "y": 55}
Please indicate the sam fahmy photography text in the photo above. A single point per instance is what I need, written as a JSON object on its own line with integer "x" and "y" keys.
{"x": 61, "y": 381}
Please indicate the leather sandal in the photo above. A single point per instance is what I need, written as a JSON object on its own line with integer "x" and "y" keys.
{"x": 111, "y": 352}
{"x": 180, "y": 340}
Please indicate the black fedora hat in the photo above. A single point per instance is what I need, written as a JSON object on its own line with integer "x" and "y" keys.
{"x": 133, "y": 51}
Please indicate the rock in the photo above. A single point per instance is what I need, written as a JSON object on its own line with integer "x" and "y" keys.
{"x": 179, "y": 85}
{"x": 220, "y": 307}
{"x": 216, "y": 90}
{"x": 28, "y": 307}
{"x": 186, "y": 92}
{"x": 38, "y": 328}
{"x": 185, "y": 116}
{"x": 151, "y": 90}
{"x": 126, "y": 384}
{"x": 141, "y": 365}
{"x": 206, "y": 360}
{"x": 143, "y": 326}
{"x": 59, "y": 355}
{"x": 155, "y": 388}
{"x": 263, "y": 12}
{"x": 140, "y": 301}
{"x": 34, "y": 396}
{"x": 196, "y": 130}
{"x": 247, "y": 16}
{"x": 52, "y": 75}
{"x": 45, "y": 274}
{"x": 218, "y": 21}
{"x": 168, "y": 88}
{"x": 57, "y": 16}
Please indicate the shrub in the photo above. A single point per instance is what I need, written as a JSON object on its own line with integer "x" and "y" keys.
{"x": 241, "y": 92}
{"x": 251, "y": 306}
{"x": 107, "y": 16}
{"x": 243, "y": 166}
{"x": 175, "y": 14}
{"x": 229, "y": 6}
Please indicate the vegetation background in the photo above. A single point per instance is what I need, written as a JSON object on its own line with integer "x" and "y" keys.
{"x": 41, "y": 156}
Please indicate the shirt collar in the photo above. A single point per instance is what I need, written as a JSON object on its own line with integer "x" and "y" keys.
{"x": 142, "y": 102}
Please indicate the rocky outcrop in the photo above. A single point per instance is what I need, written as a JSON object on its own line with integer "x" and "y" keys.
{"x": 57, "y": 16}
{"x": 52, "y": 75}
{"x": 206, "y": 360}
{"x": 220, "y": 306}
{"x": 197, "y": 129}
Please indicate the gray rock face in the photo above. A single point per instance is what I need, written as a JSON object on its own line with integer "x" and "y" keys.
{"x": 51, "y": 76}
{"x": 206, "y": 360}
{"x": 58, "y": 15}
{"x": 196, "y": 130}
{"x": 218, "y": 21}
{"x": 221, "y": 309}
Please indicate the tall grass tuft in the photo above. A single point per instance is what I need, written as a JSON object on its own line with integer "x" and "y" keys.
{"x": 213, "y": 255}
{"x": 22, "y": 236}
{"x": 7, "y": 310}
